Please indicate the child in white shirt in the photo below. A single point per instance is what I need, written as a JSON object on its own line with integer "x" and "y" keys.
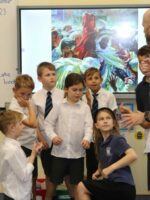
{"x": 15, "y": 168}
{"x": 22, "y": 103}
{"x": 69, "y": 126}
{"x": 47, "y": 76}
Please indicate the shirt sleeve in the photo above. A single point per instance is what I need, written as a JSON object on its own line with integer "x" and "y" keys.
{"x": 23, "y": 170}
{"x": 50, "y": 122}
{"x": 16, "y": 107}
{"x": 88, "y": 126}
{"x": 112, "y": 104}
{"x": 121, "y": 146}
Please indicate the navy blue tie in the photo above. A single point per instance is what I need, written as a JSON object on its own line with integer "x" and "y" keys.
{"x": 94, "y": 106}
{"x": 48, "y": 105}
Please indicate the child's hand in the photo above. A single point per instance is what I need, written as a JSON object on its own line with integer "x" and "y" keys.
{"x": 57, "y": 140}
{"x": 37, "y": 147}
{"x": 96, "y": 175}
{"x": 85, "y": 144}
{"x": 106, "y": 171}
{"x": 22, "y": 102}
{"x": 88, "y": 97}
{"x": 45, "y": 144}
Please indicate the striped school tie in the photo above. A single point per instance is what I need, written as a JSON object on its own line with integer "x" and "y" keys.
{"x": 48, "y": 105}
{"x": 94, "y": 106}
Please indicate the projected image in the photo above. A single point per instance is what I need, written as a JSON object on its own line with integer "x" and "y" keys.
{"x": 103, "y": 38}
{"x": 75, "y": 39}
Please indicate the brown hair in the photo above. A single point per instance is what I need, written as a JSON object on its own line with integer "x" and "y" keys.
{"x": 73, "y": 79}
{"x": 97, "y": 133}
{"x": 7, "y": 118}
{"x": 24, "y": 81}
{"x": 90, "y": 71}
{"x": 44, "y": 65}
{"x": 144, "y": 51}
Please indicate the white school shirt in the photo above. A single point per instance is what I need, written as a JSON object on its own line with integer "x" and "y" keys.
{"x": 104, "y": 98}
{"x": 147, "y": 141}
{"x": 28, "y": 135}
{"x": 15, "y": 172}
{"x": 73, "y": 123}
{"x": 39, "y": 101}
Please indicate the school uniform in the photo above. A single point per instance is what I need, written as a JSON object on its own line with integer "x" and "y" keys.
{"x": 39, "y": 101}
{"x": 28, "y": 134}
{"x": 143, "y": 104}
{"x": 15, "y": 171}
{"x": 120, "y": 183}
{"x": 73, "y": 123}
{"x": 105, "y": 99}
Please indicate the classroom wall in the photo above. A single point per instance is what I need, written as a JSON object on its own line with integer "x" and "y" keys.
{"x": 81, "y": 2}
{"x": 139, "y": 167}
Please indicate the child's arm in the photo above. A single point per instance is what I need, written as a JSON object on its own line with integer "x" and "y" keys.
{"x": 130, "y": 156}
{"x": 97, "y": 175}
{"x": 31, "y": 119}
{"x": 88, "y": 98}
{"x": 50, "y": 124}
{"x": 36, "y": 149}
{"x": 20, "y": 165}
{"x": 41, "y": 138}
{"x": 88, "y": 129}
{"x": 85, "y": 144}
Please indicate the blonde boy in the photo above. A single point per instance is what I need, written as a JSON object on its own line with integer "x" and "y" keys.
{"x": 15, "y": 168}
{"x": 21, "y": 102}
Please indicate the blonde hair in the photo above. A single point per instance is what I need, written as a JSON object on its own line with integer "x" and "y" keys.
{"x": 7, "y": 118}
{"x": 44, "y": 65}
{"x": 97, "y": 133}
{"x": 24, "y": 81}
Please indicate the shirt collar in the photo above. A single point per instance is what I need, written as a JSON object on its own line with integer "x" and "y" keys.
{"x": 66, "y": 101}
{"x": 96, "y": 92}
{"x": 107, "y": 140}
{"x": 45, "y": 91}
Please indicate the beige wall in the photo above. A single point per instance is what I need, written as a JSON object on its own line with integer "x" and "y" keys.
{"x": 81, "y": 2}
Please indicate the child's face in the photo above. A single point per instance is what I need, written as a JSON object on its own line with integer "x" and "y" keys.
{"x": 104, "y": 122}
{"x": 144, "y": 64}
{"x": 93, "y": 82}
{"x": 16, "y": 129}
{"x": 48, "y": 79}
{"x": 24, "y": 93}
{"x": 74, "y": 93}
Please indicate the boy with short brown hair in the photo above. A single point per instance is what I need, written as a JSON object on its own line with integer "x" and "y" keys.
{"x": 47, "y": 76}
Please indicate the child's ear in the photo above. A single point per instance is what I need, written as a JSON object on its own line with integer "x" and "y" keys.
{"x": 13, "y": 89}
{"x": 96, "y": 125}
{"x": 11, "y": 127}
{"x": 39, "y": 78}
